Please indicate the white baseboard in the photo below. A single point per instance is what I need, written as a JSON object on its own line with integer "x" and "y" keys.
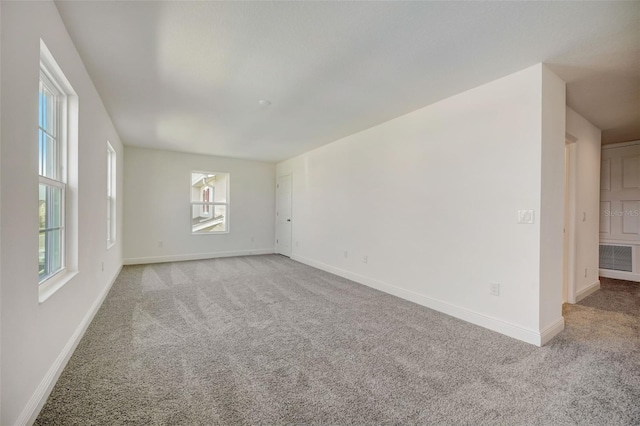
{"x": 495, "y": 324}
{"x": 195, "y": 256}
{"x": 581, "y": 294}
{"x": 36, "y": 402}
{"x": 619, "y": 275}
{"x": 551, "y": 331}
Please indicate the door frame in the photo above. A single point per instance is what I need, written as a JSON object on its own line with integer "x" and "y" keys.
{"x": 290, "y": 175}
{"x": 569, "y": 252}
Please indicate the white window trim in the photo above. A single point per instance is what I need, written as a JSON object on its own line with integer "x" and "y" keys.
{"x": 50, "y": 80}
{"x": 212, "y": 204}
{"x": 66, "y": 121}
{"x": 61, "y": 117}
{"x": 112, "y": 204}
{"x": 54, "y": 283}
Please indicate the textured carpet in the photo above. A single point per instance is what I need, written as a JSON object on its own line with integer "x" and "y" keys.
{"x": 266, "y": 340}
{"x": 615, "y": 296}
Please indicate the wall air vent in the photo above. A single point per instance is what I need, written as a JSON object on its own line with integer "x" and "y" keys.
{"x": 617, "y": 258}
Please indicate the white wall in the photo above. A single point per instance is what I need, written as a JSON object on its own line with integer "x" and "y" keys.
{"x": 587, "y": 201}
{"x": 157, "y": 207}
{"x": 0, "y": 216}
{"x": 552, "y": 202}
{"x": 38, "y": 338}
{"x": 432, "y": 198}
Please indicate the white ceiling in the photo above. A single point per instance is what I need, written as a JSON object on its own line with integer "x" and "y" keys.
{"x": 187, "y": 76}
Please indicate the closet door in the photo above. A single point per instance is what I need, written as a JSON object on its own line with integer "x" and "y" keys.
{"x": 620, "y": 194}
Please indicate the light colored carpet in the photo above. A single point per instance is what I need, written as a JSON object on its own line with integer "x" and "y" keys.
{"x": 266, "y": 340}
{"x": 616, "y": 296}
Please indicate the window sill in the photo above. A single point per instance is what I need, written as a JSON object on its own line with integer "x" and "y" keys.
{"x": 54, "y": 284}
{"x": 210, "y": 233}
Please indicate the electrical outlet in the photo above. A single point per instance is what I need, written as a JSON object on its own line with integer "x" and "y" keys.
{"x": 494, "y": 289}
{"x": 253, "y": 239}
{"x": 160, "y": 244}
{"x": 526, "y": 216}
{"x": 365, "y": 259}
{"x": 102, "y": 266}
{"x": 346, "y": 254}
{"x": 585, "y": 272}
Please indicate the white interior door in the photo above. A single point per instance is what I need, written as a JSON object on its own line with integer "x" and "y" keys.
{"x": 283, "y": 215}
{"x": 620, "y": 195}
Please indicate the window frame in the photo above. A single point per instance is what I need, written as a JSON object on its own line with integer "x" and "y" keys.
{"x": 67, "y": 128}
{"x": 112, "y": 203}
{"x": 50, "y": 183}
{"x": 211, "y": 204}
{"x": 47, "y": 78}
{"x": 59, "y": 122}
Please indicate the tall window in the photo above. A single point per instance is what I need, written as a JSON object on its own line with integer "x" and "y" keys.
{"x": 111, "y": 195}
{"x": 209, "y": 202}
{"x": 52, "y": 185}
{"x": 58, "y": 177}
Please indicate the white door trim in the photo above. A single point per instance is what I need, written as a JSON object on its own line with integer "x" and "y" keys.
{"x": 571, "y": 176}
{"x": 288, "y": 218}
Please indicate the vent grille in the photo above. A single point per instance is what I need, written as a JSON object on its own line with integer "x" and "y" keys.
{"x": 617, "y": 258}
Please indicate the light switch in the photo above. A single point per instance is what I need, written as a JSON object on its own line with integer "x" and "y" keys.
{"x": 526, "y": 216}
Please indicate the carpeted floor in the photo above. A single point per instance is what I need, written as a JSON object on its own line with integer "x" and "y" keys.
{"x": 615, "y": 296}
{"x": 266, "y": 340}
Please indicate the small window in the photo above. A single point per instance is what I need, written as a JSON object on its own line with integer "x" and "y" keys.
{"x": 209, "y": 202}
{"x": 52, "y": 110}
{"x": 111, "y": 196}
